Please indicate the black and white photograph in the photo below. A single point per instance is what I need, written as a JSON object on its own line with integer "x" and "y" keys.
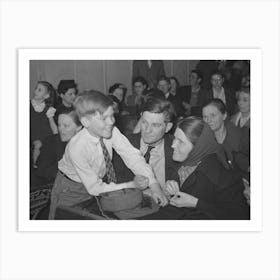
{"x": 141, "y": 139}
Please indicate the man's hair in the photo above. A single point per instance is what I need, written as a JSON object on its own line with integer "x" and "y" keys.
{"x": 91, "y": 101}
{"x": 199, "y": 75}
{"x": 141, "y": 80}
{"x": 159, "y": 105}
{"x": 164, "y": 78}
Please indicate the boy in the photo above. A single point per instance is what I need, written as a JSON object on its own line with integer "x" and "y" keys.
{"x": 86, "y": 169}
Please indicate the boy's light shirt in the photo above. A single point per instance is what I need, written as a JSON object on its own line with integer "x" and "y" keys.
{"x": 83, "y": 161}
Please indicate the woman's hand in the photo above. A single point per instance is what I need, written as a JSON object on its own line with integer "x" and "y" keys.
{"x": 172, "y": 187}
{"x": 181, "y": 199}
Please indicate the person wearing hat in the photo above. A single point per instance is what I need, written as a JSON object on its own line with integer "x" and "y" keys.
{"x": 67, "y": 91}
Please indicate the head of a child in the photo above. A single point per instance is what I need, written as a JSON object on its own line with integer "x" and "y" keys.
{"x": 67, "y": 90}
{"x": 139, "y": 86}
{"x": 96, "y": 113}
{"x": 243, "y": 100}
{"x": 44, "y": 92}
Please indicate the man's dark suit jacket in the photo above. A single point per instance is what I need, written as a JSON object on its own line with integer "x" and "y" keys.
{"x": 124, "y": 174}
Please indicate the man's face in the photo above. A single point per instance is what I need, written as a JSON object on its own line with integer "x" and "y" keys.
{"x": 194, "y": 80}
{"x": 69, "y": 96}
{"x": 153, "y": 127}
{"x": 164, "y": 86}
{"x": 101, "y": 125}
{"x": 139, "y": 88}
{"x": 217, "y": 81}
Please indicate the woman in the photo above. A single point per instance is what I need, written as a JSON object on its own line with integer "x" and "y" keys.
{"x": 53, "y": 147}
{"x": 242, "y": 117}
{"x": 234, "y": 140}
{"x": 207, "y": 190}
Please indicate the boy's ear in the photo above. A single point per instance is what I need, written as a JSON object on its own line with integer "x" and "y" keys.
{"x": 168, "y": 127}
{"x": 85, "y": 121}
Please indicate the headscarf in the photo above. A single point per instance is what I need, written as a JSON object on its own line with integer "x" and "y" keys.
{"x": 205, "y": 145}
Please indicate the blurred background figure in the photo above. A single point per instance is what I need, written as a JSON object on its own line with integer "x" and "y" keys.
{"x": 150, "y": 70}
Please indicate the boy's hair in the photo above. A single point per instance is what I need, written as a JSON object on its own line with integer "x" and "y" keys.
{"x": 91, "y": 101}
{"x": 159, "y": 105}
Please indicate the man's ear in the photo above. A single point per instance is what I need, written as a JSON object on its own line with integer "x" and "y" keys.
{"x": 168, "y": 127}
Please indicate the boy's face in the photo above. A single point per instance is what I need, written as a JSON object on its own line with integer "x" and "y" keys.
{"x": 244, "y": 102}
{"x": 100, "y": 125}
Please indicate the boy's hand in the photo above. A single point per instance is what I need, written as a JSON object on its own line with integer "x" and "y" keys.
{"x": 141, "y": 182}
{"x": 158, "y": 195}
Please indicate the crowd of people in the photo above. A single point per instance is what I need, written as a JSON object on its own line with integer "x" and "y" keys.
{"x": 164, "y": 152}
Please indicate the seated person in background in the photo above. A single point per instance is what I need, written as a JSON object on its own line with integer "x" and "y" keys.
{"x": 234, "y": 140}
{"x": 242, "y": 117}
{"x": 67, "y": 91}
{"x": 42, "y": 122}
{"x": 86, "y": 169}
{"x": 175, "y": 98}
{"x": 53, "y": 147}
{"x": 206, "y": 190}
{"x": 194, "y": 95}
{"x": 153, "y": 141}
{"x": 117, "y": 94}
{"x": 219, "y": 92}
{"x": 207, "y": 67}
{"x": 136, "y": 100}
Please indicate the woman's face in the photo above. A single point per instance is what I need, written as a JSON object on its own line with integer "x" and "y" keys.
{"x": 213, "y": 117}
{"x": 243, "y": 102}
{"x": 66, "y": 127}
{"x": 69, "y": 96}
{"x": 41, "y": 92}
{"x": 181, "y": 146}
{"x": 118, "y": 93}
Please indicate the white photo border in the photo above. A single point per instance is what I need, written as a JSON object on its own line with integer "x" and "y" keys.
{"x": 24, "y": 58}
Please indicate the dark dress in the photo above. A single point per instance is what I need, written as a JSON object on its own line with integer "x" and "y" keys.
{"x": 219, "y": 193}
{"x": 39, "y": 124}
{"x": 51, "y": 152}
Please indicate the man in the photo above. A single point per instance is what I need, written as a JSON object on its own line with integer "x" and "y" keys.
{"x": 153, "y": 141}
{"x": 176, "y": 98}
{"x": 218, "y": 91}
{"x": 86, "y": 169}
{"x": 150, "y": 70}
{"x": 194, "y": 95}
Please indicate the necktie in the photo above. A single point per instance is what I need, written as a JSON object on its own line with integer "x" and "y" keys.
{"x": 148, "y": 154}
{"x": 110, "y": 172}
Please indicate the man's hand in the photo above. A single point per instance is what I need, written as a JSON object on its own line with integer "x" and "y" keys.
{"x": 141, "y": 182}
{"x": 181, "y": 199}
